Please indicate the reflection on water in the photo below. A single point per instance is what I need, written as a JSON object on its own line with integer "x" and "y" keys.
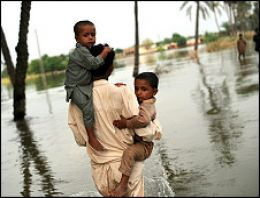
{"x": 32, "y": 157}
{"x": 224, "y": 123}
{"x": 224, "y": 127}
{"x": 53, "y": 81}
{"x": 243, "y": 81}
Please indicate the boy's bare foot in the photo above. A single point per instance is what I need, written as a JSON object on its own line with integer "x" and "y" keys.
{"x": 96, "y": 144}
{"x": 119, "y": 191}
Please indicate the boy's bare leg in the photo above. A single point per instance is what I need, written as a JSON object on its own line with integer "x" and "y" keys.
{"x": 120, "y": 190}
{"x": 93, "y": 140}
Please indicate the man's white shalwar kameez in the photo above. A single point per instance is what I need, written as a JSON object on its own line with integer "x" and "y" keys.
{"x": 109, "y": 102}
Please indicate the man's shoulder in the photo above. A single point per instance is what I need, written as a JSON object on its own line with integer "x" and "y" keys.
{"x": 125, "y": 89}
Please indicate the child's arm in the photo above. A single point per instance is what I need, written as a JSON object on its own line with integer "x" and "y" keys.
{"x": 121, "y": 124}
{"x": 85, "y": 59}
{"x": 135, "y": 122}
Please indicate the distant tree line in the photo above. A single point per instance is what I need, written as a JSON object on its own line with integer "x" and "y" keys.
{"x": 245, "y": 18}
{"x": 51, "y": 64}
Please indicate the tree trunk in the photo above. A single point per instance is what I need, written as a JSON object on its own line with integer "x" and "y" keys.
{"x": 7, "y": 57}
{"x": 197, "y": 26}
{"x": 136, "y": 66}
{"x": 22, "y": 62}
{"x": 233, "y": 8}
{"x": 216, "y": 20}
{"x": 197, "y": 33}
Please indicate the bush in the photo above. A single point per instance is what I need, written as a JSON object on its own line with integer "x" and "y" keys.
{"x": 181, "y": 42}
{"x": 210, "y": 37}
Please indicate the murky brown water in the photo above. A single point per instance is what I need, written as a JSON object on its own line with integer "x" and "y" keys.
{"x": 210, "y": 147}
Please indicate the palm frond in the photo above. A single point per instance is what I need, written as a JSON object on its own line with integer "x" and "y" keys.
{"x": 184, "y": 4}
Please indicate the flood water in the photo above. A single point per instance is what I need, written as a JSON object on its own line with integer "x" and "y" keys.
{"x": 210, "y": 144}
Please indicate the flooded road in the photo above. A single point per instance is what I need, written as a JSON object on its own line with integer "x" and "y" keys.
{"x": 210, "y": 144}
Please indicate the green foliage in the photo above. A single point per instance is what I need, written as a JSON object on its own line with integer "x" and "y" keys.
{"x": 50, "y": 64}
{"x": 182, "y": 42}
{"x": 210, "y": 37}
{"x": 242, "y": 15}
{"x": 118, "y": 50}
{"x": 176, "y": 37}
{"x": 255, "y": 16}
{"x": 227, "y": 27}
{"x": 179, "y": 39}
{"x": 34, "y": 67}
{"x": 167, "y": 41}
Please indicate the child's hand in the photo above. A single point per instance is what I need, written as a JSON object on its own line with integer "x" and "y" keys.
{"x": 121, "y": 124}
{"x": 105, "y": 51}
{"x": 120, "y": 84}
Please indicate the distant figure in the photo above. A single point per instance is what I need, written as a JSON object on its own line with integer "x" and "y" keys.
{"x": 256, "y": 39}
{"x": 79, "y": 80}
{"x": 241, "y": 46}
{"x": 146, "y": 87}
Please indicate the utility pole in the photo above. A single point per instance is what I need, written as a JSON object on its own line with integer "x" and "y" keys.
{"x": 43, "y": 75}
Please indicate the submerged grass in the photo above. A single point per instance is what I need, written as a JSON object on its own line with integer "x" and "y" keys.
{"x": 221, "y": 44}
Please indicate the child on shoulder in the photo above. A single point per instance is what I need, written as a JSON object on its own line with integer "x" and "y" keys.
{"x": 78, "y": 79}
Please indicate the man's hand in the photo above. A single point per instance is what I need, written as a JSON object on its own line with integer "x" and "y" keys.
{"x": 121, "y": 124}
{"x": 120, "y": 84}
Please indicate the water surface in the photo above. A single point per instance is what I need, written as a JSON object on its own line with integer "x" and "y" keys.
{"x": 210, "y": 144}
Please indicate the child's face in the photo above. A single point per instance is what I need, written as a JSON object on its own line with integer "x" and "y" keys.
{"x": 143, "y": 90}
{"x": 87, "y": 35}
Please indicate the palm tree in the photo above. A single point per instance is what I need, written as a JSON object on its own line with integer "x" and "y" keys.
{"x": 216, "y": 6}
{"x": 136, "y": 66}
{"x": 21, "y": 62}
{"x": 204, "y": 12}
{"x": 231, "y": 15}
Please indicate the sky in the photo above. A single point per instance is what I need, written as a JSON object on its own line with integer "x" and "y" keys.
{"x": 114, "y": 20}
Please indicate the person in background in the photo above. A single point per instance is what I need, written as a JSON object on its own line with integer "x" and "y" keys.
{"x": 241, "y": 46}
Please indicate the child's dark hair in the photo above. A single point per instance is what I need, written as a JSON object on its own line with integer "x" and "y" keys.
{"x": 79, "y": 24}
{"x": 95, "y": 51}
{"x": 150, "y": 77}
